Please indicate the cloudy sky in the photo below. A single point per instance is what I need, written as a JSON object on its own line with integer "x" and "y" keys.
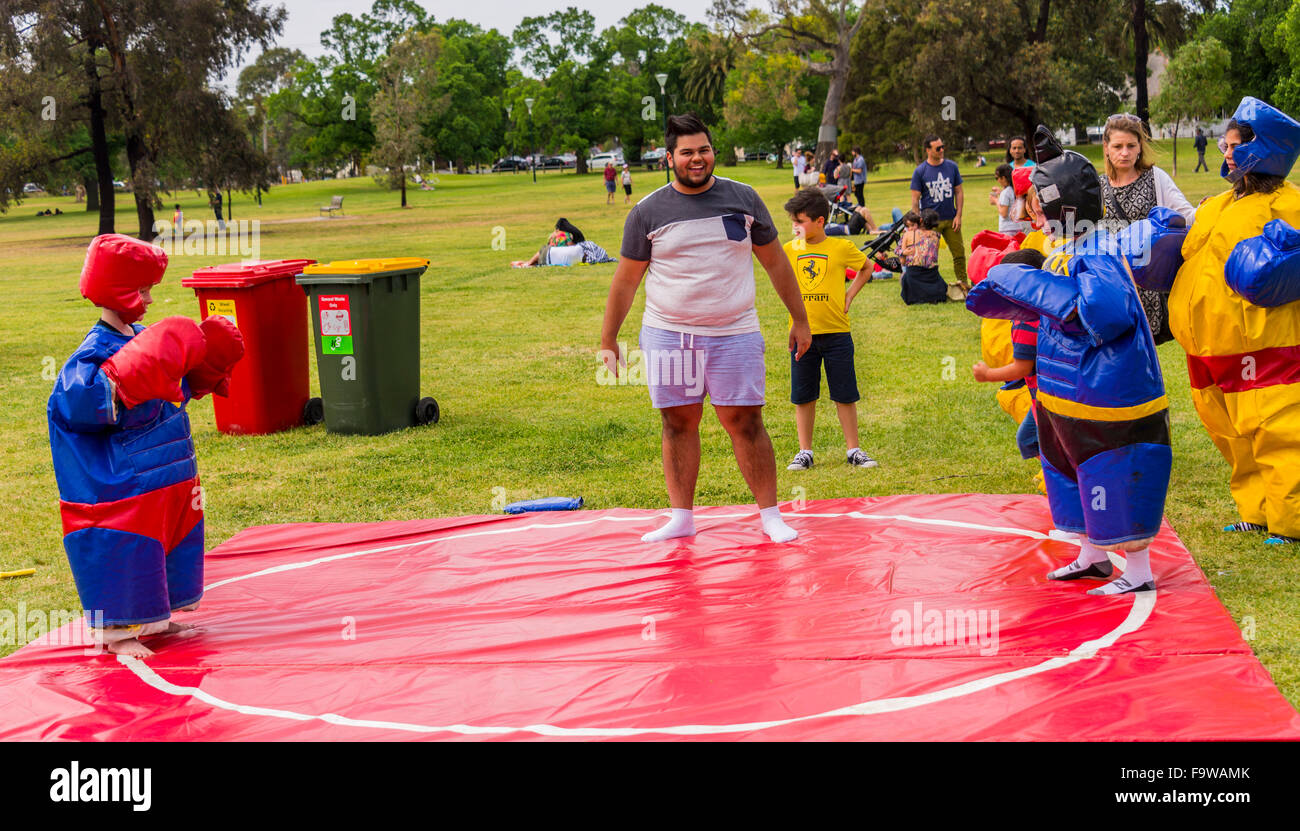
{"x": 308, "y": 18}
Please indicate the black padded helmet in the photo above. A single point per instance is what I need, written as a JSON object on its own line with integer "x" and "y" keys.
{"x": 1066, "y": 182}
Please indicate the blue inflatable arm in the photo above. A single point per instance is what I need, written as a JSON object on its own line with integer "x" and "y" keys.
{"x": 1265, "y": 269}
{"x": 1016, "y": 291}
{"x": 1108, "y": 302}
{"x": 1154, "y": 248}
{"x": 83, "y": 398}
{"x": 550, "y": 503}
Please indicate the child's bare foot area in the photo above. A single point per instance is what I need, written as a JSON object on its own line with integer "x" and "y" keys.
{"x": 173, "y": 627}
{"x": 130, "y": 647}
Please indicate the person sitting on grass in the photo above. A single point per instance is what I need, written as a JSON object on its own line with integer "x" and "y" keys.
{"x": 565, "y": 246}
{"x": 819, "y": 262}
{"x": 918, "y": 250}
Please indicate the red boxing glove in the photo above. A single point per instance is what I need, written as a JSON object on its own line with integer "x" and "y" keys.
{"x": 225, "y": 348}
{"x": 152, "y": 364}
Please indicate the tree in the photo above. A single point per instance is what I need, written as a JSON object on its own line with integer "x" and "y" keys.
{"x": 1249, "y": 30}
{"x": 1196, "y": 85}
{"x": 466, "y": 125}
{"x": 820, "y": 33}
{"x": 407, "y": 81}
{"x": 768, "y": 101}
{"x": 331, "y": 96}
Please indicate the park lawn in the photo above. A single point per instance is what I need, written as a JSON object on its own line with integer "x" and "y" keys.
{"x": 511, "y": 357}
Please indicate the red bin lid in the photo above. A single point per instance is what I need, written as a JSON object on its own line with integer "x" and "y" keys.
{"x": 244, "y": 274}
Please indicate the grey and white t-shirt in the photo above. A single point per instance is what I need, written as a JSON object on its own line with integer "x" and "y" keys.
{"x": 701, "y": 274}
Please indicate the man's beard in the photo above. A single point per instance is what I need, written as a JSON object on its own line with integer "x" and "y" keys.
{"x": 682, "y": 175}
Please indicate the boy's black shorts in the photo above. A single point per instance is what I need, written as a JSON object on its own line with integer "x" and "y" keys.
{"x": 836, "y": 350}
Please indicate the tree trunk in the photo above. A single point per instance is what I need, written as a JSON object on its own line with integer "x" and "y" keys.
{"x": 105, "y": 202}
{"x": 1141, "y": 49}
{"x": 137, "y": 157}
{"x": 1177, "y": 121}
{"x": 91, "y": 184}
{"x": 1081, "y": 133}
{"x": 831, "y": 109}
{"x": 403, "y": 187}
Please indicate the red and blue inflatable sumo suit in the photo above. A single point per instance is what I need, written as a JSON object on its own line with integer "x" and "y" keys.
{"x": 123, "y": 455}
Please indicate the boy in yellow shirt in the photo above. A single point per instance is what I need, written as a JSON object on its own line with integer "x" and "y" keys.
{"x": 820, "y": 263}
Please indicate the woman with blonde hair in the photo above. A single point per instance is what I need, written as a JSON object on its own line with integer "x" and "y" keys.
{"x": 1131, "y": 187}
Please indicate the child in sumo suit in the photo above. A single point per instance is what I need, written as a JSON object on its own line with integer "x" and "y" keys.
{"x": 1103, "y": 418}
{"x": 123, "y": 455}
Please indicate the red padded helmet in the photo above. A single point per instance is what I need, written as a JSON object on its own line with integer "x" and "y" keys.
{"x": 117, "y": 268}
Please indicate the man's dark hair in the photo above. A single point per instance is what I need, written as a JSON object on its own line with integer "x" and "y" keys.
{"x": 1027, "y": 256}
{"x": 687, "y": 124}
{"x": 1013, "y": 140}
{"x": 928, "y": 140}
{"x": 857, "y": 150}
{"x": 1003, "y": 171}
{"x": 810, "y": 202}
{"x": 1252, "y": 182}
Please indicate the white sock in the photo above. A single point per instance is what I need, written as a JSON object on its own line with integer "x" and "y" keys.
{"x": 851, "y": 451}
{"x": 680, "y": 524}
{"x": 774, "y": 526}
{"x": 1089, "y": 554}
{"x": 1138, "y": 570}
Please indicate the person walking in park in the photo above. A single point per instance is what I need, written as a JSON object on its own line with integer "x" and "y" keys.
{"x": 936, "y": 185}
{"x": 1199, "y": 143}
{"x": 1132, "y": 186}
{"x": 610, "y": 175}
{"x": 214, "y": 200}
{"x": 800, "y": 164}
{"x": 859, "y": 176}
{"x": 627, "y": 185}
{"x": 700, "y": 332}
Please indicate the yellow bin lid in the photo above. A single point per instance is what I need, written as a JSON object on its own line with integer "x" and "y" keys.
{"x": 374, "y": 266}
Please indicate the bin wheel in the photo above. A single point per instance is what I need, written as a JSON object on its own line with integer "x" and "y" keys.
{"x": 426, "y": 411}
{"x": 313, "y": 412}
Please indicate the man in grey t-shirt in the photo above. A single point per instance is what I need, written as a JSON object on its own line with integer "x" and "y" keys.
{"x": 700, "y": 334}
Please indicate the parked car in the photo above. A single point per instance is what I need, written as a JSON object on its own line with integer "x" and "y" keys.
{"x": 32, "y": 187}
{"x": 552, "y": 163}
{"x": 597, "y": 162}
{"x": 510, "y": 163}
{"x": 570, "y": 160}
{"x": 655, "y": 158}
{"x": 118, "y": 184}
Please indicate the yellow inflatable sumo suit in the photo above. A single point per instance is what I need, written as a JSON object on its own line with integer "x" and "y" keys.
{"x": 1244, "y": 359}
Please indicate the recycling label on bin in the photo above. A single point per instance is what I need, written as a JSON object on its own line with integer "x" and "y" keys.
{"x": 222, "y": 308}
{"x": 335, "y": 324}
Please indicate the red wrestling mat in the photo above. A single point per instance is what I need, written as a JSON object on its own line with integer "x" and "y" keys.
{"x": 905, "y": 617}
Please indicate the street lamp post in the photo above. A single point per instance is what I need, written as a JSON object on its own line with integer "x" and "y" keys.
{"x": 662, "y": 78}
{"x": 510, "y": 109}
{"x": 531, "y": 162}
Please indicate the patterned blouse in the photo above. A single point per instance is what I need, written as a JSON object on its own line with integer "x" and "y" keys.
{"x": 919, "y": 248}
{"x": 1131, "y": 203}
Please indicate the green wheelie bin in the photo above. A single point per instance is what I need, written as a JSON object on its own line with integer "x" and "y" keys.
{"x": 366, "y": 317}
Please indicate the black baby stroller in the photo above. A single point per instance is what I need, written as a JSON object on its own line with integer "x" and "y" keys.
{"x": 879, "y": 250}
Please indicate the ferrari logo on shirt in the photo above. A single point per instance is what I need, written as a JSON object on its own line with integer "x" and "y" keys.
{"x": 811, "y": 269}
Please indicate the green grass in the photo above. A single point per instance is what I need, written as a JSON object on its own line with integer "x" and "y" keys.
{"x": 510, "y": 356}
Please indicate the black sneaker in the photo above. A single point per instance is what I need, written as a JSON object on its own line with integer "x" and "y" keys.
{"x": 860, "y": 459}
{"x": 802, "y": 461}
